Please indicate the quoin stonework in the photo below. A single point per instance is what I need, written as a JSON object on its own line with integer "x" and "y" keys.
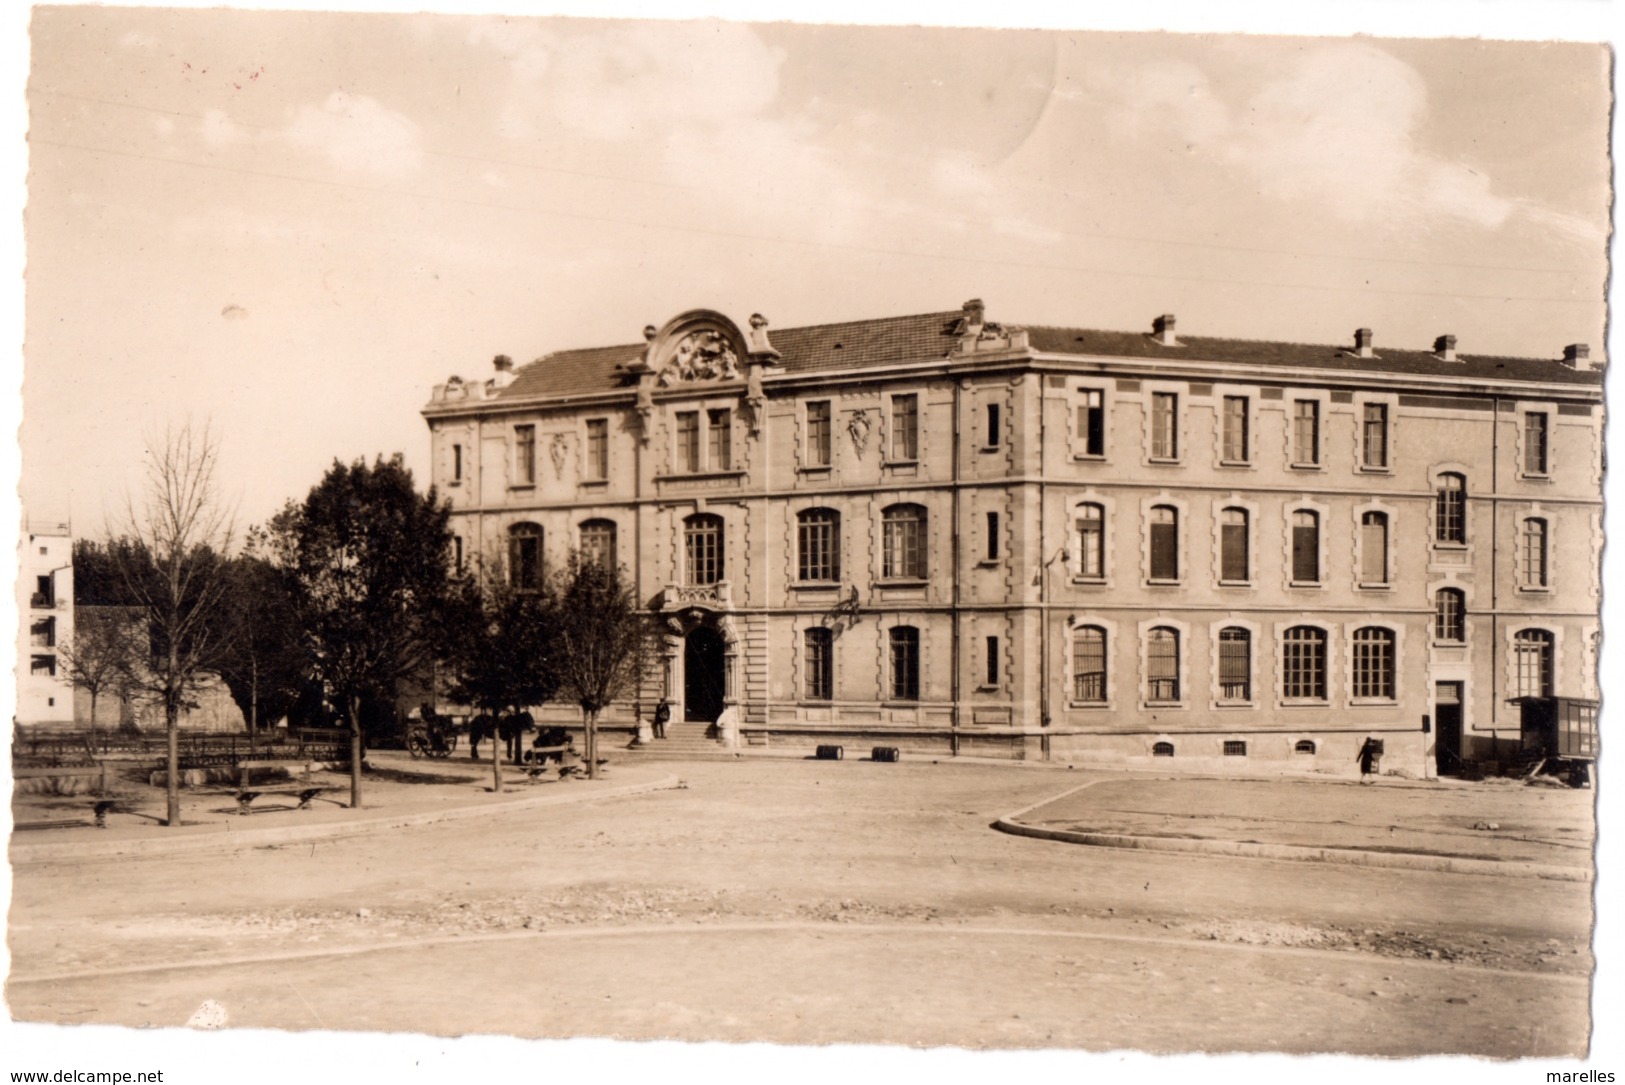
{"x": 958, "y": 536}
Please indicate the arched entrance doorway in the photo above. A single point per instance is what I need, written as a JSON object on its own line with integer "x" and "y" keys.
{"x": 704, "y": 674}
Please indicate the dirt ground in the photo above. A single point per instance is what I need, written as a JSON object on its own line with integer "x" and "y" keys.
{"x": 813, "y": 902}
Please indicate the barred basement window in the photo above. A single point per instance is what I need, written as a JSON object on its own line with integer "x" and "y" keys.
{"x": 1304, "y": 745}
{"x": 1235, "y": 664}
{"x": 820, "y": 660}
{"x": 1303, "y": 664}
{"x": 818, "y": 532}
{"x": 1162, "y": 665}
{"x": 1162, "y": 749}
{"x": 1235, "y": 748}
{"x": 905, "y": 427}
{"x": 1374, "y": 663}
{"x": 1092, "y": 541}
{"x": 1450, "y": 510}
{"x": 1450, "y": 615}
{"x": 1089, "y": 664}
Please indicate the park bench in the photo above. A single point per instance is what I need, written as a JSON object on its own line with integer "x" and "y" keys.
{"x": 245, "y": 797}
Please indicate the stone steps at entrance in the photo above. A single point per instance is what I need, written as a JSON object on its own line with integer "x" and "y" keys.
{"x": 683, "y": 740}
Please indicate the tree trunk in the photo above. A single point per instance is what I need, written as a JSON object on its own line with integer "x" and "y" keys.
{"x": 172, "y": 763}
{"x": 93, "y": 722}
{"x": 496, "y": 754}
{"x": 355, "y": 753}
{"x": 592, "y": 745}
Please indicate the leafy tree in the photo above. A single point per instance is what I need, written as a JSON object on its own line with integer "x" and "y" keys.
{"x": 370, "y": 558}
{"x": 603, "y": 640}
{"x": 106, "y": 648}
{"x": 170, "y": 563}
{"x": 501, "y": 657}
{"x": 266, "y": 668}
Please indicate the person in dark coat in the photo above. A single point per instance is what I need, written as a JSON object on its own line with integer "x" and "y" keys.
{"x": 662, "y": 714}
{"x": 1370, "y": 753}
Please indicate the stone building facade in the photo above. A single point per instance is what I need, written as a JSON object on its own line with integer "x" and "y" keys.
{"x": 45, "y": 604}
{"x": 955, "y": 536}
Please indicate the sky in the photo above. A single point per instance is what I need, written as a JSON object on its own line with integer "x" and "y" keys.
{"x": 291, "y": 225}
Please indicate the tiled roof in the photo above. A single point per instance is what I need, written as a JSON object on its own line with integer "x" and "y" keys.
{"x": 858, "y": 344}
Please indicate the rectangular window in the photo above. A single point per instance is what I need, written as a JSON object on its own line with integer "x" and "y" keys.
{"x": 1164, "y": 426}
{"x": 905, "y": 663}
{"x": 457, "y": 463}
{"x": 1162, "y": 666}
{"x": 992, "y": 536}
{"x": 1089, "y": 665}
{"x": 903, "y": 542}
{"x": 524, "y": 455}
{"x": 688, "y": 441}
{"x": 1235, "y": 665}
{"x": 1092, "y": 542}
{"x": 905, "y": 427}
{"x": 457, "y": 552}
{"x": 1235, "y": 747}
{"x": 993, "y": 661}
{"x": 1532, "y": 554}
{"x": 995, "y": 432}
{"x": 1373, "y": 548}
{"x": 819, "y": 545}
{"x": 1374, "y": 436}
{"x": 597, "y": 465}
{"x": 1164, "y": 543}
{"x": 820, "y": 659}
{"x": 1450, "y": 510}
{"x": 1303, "y": 664}
{"x": 1233, "y": 563}
{"x": 44, "y": 592}
{"x": 1450, "y": 617}
{"x": 43, "y": 666}
{"x": 1535, "y": 445}
{"x": 1306, "y": 432}
{"x": 1092, "y": 422}
{"x": 1237, "y": 449}
{"x": 598, "y": 544}
{"x": 42, "y": 633}
{"x": 819, "y": 445}
{"x": 719, "y": 428}
{"x": 1374, "y": 664}
{"x": 702, "y": 536}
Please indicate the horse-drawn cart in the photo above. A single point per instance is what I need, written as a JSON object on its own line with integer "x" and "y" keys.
{"x": 431, "y": 734}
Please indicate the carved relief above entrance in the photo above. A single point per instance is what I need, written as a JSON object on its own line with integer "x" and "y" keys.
{"x": 704, "y": 354}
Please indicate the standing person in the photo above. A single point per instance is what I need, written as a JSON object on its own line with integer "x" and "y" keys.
{"x": 1370, "y": 753}
{"x": 662, "y": 714}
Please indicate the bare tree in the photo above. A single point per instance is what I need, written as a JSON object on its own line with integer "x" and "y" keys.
{"x": 603, "y": 641}
{"x": 103, "y": 653}
{"x": 172, "y": 564}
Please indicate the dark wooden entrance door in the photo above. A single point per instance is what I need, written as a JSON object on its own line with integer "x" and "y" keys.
{"x": 1447, "y": 728}
{"x": 703, "y": 675}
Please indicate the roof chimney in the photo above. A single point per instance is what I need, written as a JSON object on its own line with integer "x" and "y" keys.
{"x": 1362, "y": 343}
{"x": 504, "y": 368}
{"x": 973, "y": 312}
{"x": 1163, "y": 326}
{"x": 1577, "y": 355}
{"x": 1445, "y": 348}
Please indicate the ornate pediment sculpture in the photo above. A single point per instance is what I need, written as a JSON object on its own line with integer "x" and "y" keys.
{"x": 702, "y": 355}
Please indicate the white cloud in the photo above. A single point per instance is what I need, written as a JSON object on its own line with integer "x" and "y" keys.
{"x": 358, "y": 135}
{"x": 218, "y": 130}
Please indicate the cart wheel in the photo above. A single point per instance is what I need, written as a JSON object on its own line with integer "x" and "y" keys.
{"x": 416, "y": 746}
{"x": 451, "y": 743}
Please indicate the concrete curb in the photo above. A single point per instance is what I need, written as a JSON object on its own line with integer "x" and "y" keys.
{"x": 282, "y": 834}
{"x": 1291, "y": 852}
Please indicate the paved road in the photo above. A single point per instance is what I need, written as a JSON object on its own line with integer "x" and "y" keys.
{"x": 809, "y": 902}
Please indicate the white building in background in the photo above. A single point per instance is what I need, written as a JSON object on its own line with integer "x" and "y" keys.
{"x": 45, "y": 607}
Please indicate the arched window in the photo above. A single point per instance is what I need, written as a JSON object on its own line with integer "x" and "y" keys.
{"x": 1235, "y": 664}
{"x": 598, "y": 544}
{"x": 1162, "y": 749}
{"x": 1233, "y": 545}
{"x": 1533, "y": 544}
{"x": 1089, "y": 664}
{"x": 903, "y": 542}
{"x": 1450, "y": 510}
{"x": 818, "y": 537}
{"x": 905, "y": 663}
{"x": 1164, "y": 542}
{"x": 1450, "y": 615}
{"x": 1532, "y": 663}
{"x": 1162, "y": 664}
{"x": 703, "y": 549}
{"x": 525, "y": 556}
{"x": 1305, "y": 547}
{"x": 1092, "y": 541}
{"x": 819, "y": 657}
{"x": 1303, "y": 663}
{"x": 1374, "y": 663}
{"x": 1374, "y": 548}
{"x": 1304, "y": 745}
